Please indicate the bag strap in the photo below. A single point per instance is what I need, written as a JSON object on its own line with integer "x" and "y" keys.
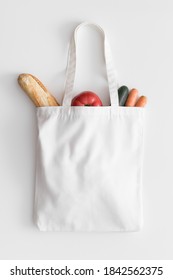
{"x": 71, "y": 68}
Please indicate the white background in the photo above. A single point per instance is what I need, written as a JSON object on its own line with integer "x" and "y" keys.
{"x": 34, "y": 38}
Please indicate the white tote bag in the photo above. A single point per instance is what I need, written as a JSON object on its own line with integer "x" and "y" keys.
{"x": 89, "y": 161}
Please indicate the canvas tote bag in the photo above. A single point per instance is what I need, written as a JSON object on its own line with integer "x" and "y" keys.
{"x": 89, "y": 160}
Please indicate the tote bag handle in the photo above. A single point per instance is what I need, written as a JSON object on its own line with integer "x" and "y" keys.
{"x": 71, "y": 68}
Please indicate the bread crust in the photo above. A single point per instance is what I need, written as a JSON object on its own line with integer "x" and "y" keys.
{"x": 37, "y": 92}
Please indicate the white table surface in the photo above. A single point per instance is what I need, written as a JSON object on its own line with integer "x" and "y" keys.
{"x": 34, "y": 39}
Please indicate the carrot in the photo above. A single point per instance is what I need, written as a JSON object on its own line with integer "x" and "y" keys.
{"x": 131, "y": 100}
{"x": 142, "y": 101}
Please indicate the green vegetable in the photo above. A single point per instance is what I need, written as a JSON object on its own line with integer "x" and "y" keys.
{"x": 123, "y": 94}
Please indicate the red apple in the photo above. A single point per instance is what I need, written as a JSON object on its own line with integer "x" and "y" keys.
{"x": 86, "y": 98}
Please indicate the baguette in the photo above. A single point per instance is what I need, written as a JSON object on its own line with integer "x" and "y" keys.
{"x": 36, "y": 91}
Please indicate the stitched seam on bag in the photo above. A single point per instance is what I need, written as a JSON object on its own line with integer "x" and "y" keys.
{"x": 77, "y": 112}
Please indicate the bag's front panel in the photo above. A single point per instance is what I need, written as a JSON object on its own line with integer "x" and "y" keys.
{"x": 89, "y": 175}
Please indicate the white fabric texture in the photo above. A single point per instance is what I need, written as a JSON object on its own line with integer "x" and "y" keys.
{"x": 89, "y": 161}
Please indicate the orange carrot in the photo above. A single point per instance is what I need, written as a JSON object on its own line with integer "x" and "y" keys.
{"x": 132, "y": 98}
{"x": 142, "y": 101}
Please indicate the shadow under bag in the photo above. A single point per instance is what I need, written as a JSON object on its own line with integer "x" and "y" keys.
{"x": 89, "y": 161}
